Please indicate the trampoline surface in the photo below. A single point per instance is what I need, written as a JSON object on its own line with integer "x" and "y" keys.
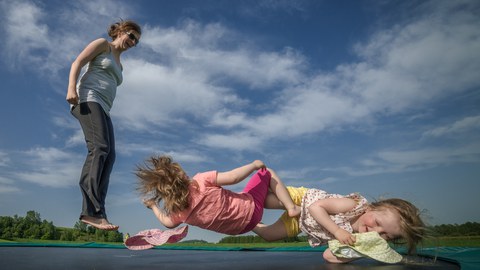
{"x": 105, "y": 258}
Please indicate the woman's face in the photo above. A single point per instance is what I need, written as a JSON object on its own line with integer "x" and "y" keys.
{"x": 384, "y": 221}
{"x": 131, "y": 38}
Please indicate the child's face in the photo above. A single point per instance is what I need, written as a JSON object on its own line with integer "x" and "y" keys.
{"x": 384, "y": 221}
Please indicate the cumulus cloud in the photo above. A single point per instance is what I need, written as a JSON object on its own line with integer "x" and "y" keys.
{"x": 418, "y": 62}
{"x": 405, "y": 160}
{"x": 31, "y": 43}
{"x": 410, "y": 65}
{"x": 25, "y": 30}
{"x": 203, "y": 77}
{"x": 155, "y": 95}
{"x": 465, "y": 125}
{"x": 8, "y": 186}
{"x": 201, "y": 74}
{"x": 50, "y": 167}
{"x": 4, "y": 159}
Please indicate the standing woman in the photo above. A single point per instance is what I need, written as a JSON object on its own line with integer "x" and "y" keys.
{"x": 91, "y": 100}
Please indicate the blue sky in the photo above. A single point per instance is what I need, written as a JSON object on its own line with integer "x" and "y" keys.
{"x": 376, "y": 97}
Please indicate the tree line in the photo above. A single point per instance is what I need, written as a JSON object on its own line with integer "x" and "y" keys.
{"x": 466, "y": 229}
{"x": 242, "y": 239}
{"x": 33, "y": 227}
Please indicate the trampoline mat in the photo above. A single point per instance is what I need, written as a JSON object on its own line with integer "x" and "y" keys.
{"x": 103, "y": 258}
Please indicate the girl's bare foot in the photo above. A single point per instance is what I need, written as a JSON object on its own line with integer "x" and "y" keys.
{"x": 99, "y": 223}
{"x": 295, "y": 211}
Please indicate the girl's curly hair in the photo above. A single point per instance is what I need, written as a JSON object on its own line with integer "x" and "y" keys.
{"x": 411, "y": 224}
{"x": 165, "y": 180}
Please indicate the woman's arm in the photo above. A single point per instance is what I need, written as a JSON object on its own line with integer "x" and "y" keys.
{"x": 321, "y": 211}
{"x": 237, "y": 175}
{"x": 93, "y": 49}
{"x": 161, "y": 216}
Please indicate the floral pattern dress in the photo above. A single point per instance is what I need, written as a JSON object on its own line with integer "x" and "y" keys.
{"x": 316, "y": 234}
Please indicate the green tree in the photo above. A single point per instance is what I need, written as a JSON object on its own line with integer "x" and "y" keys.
{"x": 48, "y": 231}
{"x": 66, "y": 235}
{"x": 33, "y": 217}
{"x": 80, "y": 226}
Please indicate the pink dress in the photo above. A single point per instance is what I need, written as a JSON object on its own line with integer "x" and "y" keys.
{"x": 214, "y": 208}
{"x": 316, "y": 234}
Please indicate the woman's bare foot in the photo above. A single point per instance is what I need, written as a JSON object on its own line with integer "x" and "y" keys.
{"x": 295, "y": 211}
{"x": 99, "y": 223}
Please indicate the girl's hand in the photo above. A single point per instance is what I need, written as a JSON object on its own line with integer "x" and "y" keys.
{"x": 344, "y": 237}
{"x": 258, "y": 164}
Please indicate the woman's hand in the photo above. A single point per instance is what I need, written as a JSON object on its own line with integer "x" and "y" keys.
{"x": 344, "y": 237}
{"x": 72, "y": 97}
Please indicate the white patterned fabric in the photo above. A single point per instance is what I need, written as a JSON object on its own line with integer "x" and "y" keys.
{"x": 316, "y": 234}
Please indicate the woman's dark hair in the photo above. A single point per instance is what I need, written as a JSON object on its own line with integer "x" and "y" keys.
{"x": 123, "y": 26}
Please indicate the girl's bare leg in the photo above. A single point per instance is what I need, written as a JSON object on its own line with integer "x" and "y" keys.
{"x": 272, "y": 201}
{"x": 277, "y": 187}
{"x": 273, "y": 232}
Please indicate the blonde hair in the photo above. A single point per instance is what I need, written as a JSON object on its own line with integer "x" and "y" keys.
{"x": 164, "y": 179}
{"x": 123, "y": 26}
{"x": 411, "y": 223}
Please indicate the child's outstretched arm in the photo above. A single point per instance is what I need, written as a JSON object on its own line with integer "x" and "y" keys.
{"x": 239, "y": 174}
{"x": 321, "y": 211}
{"x": 161, "y": 216}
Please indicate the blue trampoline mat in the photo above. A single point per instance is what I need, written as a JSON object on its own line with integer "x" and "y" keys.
{"x": 37, "y": 257}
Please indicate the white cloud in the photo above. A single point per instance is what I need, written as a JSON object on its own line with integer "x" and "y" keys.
{"x": 237, "y": 141}
{"x": 77, "y": 138}
{"x": 424, "y": 60}
{"x": 124, "y": 199}
{"x": 304, "y": 177}
{"x": 187, "y": 156}
{"x": 7, "y": 186}
{"x": 465, "y": 125}
{"x": 190, "y": 72}
{"x": 405, "y": 67}
{"x": 25, "y": 32}
{"x": 435, "y": 156}
{"x": 221, "y": 55}
{"x": 50, "y": 167}
{"x": 4, "y": 159}
{"x": 154, "y": 96}
{"x": 8, "y": 189}
{"x": 31, "y": 43}
{"x": 396, "y": 161}
{"x": 201, "y": 75}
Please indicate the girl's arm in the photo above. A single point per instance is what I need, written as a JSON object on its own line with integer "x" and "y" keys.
{"x": 237, "y": 175}
{"x": 321, "y": 211}
{"x": 161, "y": 216}
{"x": 93, "y": 49}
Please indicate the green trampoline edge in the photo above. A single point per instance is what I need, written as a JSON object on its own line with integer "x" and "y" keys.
{"x": 467, "y": 257}
{"x": 166, "y": 247}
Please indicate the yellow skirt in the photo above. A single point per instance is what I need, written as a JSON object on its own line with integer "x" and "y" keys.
{"x": 291, "y": 224}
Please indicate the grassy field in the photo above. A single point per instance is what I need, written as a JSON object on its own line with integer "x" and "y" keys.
{"x": 461, "y": 241}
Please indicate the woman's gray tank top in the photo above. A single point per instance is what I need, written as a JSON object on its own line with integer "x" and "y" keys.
{"x": 100, "y": 80}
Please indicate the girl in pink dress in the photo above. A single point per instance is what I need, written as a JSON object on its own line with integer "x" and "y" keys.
{"x": 202, "y": 201}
